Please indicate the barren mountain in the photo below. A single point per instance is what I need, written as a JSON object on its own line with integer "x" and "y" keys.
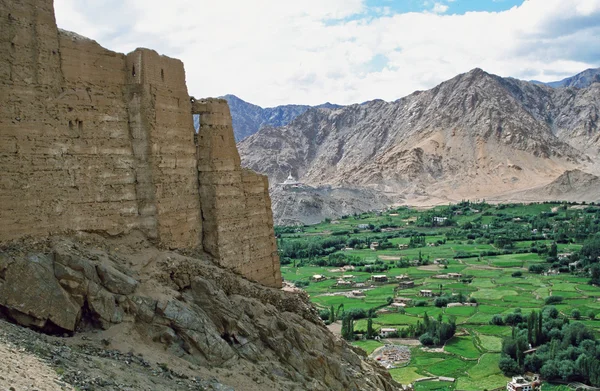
{"x": 580, "y": 80}
{"x": 249, "y": 118}
{"x": 312, "y": 205}
{"x": 573, "y": 185}
{"x": 476, "y": 135}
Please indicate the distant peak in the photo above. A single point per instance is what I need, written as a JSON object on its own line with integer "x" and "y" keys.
{"x": 477, "y": 72}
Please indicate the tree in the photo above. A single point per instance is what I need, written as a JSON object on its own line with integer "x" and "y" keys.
{"x": 553, "y": 253}
{"x": 591, "y": 315}
{"x": 370, "y": 332}
{"x": 517, "y": 274}
{"x": 497, "y": 320}
{"x": 591, "y": 248}
{"x": 576, "y": 314}
{"x": 332, "y": 314}
{"x": 508, "y": 366}
{"x": 347, "y": 327}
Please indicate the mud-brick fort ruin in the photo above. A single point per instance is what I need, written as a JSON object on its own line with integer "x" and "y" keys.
{"x": 93, "y": 140}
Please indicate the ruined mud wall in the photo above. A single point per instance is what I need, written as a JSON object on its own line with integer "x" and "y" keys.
{"x": 84, "y": 141}
{"x": 94, "y": 140}
{"x": 236, "y": 208}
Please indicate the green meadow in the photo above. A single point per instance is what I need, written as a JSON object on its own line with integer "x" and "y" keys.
{"x": 507, "y": 257}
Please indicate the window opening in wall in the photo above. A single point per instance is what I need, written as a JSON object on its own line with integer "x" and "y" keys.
{"x": 196, "y": 119}
{"x": 133, "y": 71}
{"x": 71, "y": 126}
{"x": 80, "y": 125}
{"x": 162, "y": 74}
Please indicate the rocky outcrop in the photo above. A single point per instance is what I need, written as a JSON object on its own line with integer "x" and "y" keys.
{"x": 194, "y": 310}
{"x": 572, "y": 185}
{"x": 98, "y": 141}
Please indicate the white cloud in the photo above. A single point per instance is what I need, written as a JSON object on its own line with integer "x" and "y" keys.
{"x": 272, "y": 52}
{"x": 439, "y": 8}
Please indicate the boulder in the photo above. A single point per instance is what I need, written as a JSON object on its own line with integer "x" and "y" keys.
{"x": 33, "y": 296}
{"x": 115, "y": 281}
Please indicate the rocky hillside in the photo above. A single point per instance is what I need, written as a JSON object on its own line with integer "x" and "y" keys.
{"x": 476, "y": 135}
{"x": 580, "y": 80}
{"x": 249, "y": 118}
{"x": 128, "y": 311}
{"x": 572, "y": 185}
{"x": 312, "y": 205}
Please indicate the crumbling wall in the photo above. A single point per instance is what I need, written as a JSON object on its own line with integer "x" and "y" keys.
{"x": 94, "y": 140}
{"x": 162, "y": 132}
{"x": 64, "y": 144}
{"x": 236, "y": 208}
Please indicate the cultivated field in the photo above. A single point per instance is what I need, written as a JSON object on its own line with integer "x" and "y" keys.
{"x": 497, "y": 278}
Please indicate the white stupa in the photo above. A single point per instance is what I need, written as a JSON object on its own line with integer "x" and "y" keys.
{"x": 291, "y": 182}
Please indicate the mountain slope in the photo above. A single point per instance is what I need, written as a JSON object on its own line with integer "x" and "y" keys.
{"x": 580, "y": 80}
{"x": 476, "y": 135}
{"x": 249, "y": 118}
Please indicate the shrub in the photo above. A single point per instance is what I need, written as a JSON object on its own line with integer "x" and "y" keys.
{"x": 324, "y": 314}
{"x": 426, "y": 339}
{"x": 537, "y": 269}
{"x": 497, "y": 320}
{"x": 591, "y": 315}
{"x": 576, "y": 314}
{"x": 553, "y": 299}
{"x": 517, "y": 274}
{"x": 440, "y": 302}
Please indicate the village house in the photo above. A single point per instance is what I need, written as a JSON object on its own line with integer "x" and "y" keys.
{"x": 380, "y": 278}
{"x": 518, "y": 383}
{"x": 398, "y": 305}
{"x": 348, "y": 268}
{"x": 347, "y": 276}
{"x": 363, "y": 226}
{"x": 357, "y": 293}
{"x": 426, "y": 293}
{"x": 406, "y": 284}
{"x": 454, "y": 275}
{"x": 385, "y": 332}
{"x": 439, "y": 219}
{"x": 318, "y": 278}
{"x": 405, "y": 300}
{"x": 402, "y": 246}
{"x": 563, "y": 256}
{"x": 402, "y": 277}
{"x": 450, "y": 305}
{"x": 344, "y": 283}
{"x": 374, "y": 246}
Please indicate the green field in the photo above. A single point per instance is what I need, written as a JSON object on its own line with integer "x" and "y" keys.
{"x": 498, "y": 279}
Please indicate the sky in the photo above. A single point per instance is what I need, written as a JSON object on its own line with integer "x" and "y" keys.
{"x": 273, "y": 52}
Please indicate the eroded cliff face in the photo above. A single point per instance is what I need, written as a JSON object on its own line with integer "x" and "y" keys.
{"x": 92, "y": 140}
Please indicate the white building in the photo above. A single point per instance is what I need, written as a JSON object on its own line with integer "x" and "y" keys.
{"x": 385, "y": 332}
{"x": 290, "y": 183}
{"x": 518, "y": 383}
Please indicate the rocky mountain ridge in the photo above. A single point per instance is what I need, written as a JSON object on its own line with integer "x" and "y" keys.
{"x": 249, "y": 118}
{"x": 581, "y": 80}
{"x": 474, "y": 136}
